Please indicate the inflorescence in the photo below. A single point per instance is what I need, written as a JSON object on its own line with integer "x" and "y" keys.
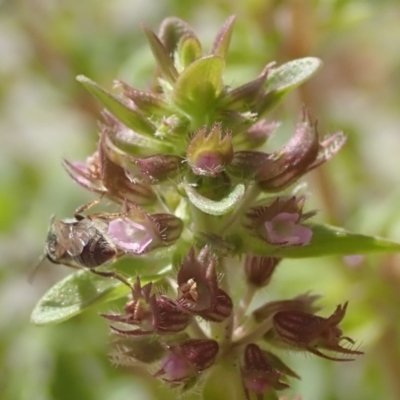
{"x": 185, "y": 163}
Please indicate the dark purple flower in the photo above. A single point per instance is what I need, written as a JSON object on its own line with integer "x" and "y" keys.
{"x": 259, "y": 270}
{"x": 150, "y": 313}
{"x": 198, "y": 290}
{"x": 258, "y": 375}
{"x": 188, "y": 359}
{"x": 305, "y": 331}
{"x": 276, "y": 171}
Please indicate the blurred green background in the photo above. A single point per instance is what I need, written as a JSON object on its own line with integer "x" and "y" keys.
{"x": 46, "y": 115}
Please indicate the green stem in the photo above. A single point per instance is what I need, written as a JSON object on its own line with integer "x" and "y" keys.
{"x": 250, "y": 196}
{"x": 196, "y": 331}
{"x": 255, "y": 334}
{"x": 244, "y": 304}
{"x": 224, "y": 381}
{"x": 224, "y": 330}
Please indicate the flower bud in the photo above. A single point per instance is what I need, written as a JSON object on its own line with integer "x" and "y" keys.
{"x": 220, "y": 309}
{"x": 280, "y": 169}
{"x": 208, "y": 154}
{"x": 304, "y": 302}
{"x": 257, "y": 373}
{"x": 117, "y": 180}
{"x": 186, "y": 360}
{"x": 301, "y": 154}
{"x": 150, "y": 313}
{"x": 305, "y": 331}
{"x": 129, "y": 350}
{"x": 259, "y": 270}
{"x": 102, "y": 175}
{"x": 257, "y": 135}
{"x": 157, "y": 168}
{"x": 198, "y": 290}
{"x": 87, "y": 174}
{"x": 197, "y": 283}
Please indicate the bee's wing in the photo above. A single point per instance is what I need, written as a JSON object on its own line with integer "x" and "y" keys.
{"x": 72, "y": 238}
{"x": 83, "y": 232}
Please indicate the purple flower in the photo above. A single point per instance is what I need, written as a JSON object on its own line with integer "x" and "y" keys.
{"x": 138, "y": 232}
{"x": 129, "y": 235}
{"x": 280, "y": 223}
{"x": 284, "y": 230}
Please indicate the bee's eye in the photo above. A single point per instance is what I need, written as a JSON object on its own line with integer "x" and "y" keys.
{"x": 52, "y": 260}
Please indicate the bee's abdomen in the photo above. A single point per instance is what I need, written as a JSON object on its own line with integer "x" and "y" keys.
{"x": 97, "y": 252}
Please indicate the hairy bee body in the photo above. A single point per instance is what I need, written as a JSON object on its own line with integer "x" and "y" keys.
{"x": 80, "y": 242}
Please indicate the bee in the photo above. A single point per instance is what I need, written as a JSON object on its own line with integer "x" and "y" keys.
{"x": 82, "y": 242}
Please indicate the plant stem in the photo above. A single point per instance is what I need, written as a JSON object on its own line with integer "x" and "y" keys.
{"x": 244, "y": 304}
{"x": 250, "y": 196}
{"x": 254, "y": 335}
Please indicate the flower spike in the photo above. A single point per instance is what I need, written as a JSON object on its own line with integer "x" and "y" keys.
{"x": 191, "y": 196}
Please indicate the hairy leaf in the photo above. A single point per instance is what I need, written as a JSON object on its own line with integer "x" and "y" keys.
{"x": 282, "y": 80}
{"x": 199, "y": 85}
{"x": 327, "y": 240}
{"x": 83, "y": 289}
{"x": 131, "y": 118}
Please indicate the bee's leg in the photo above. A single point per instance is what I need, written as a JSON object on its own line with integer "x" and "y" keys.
{"x": 112, "y": 274}
{"x": 107, "y": 216}
{"x": 78, "y": 212}
{"x": 126, "y": 207}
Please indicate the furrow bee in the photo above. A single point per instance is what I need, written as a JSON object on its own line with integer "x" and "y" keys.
{"x": 82, "y": 242}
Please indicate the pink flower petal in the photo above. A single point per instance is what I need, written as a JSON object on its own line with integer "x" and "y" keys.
{"x": 283, "y": 230}
{"x": 129, "y": 235}
{"x": 177, "y": 367}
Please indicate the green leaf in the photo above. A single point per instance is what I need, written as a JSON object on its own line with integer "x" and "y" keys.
{"x": 221, "y": 207}
{"x": 245, "y": 95}
{"x": 131, "y": 118}
{"x": 83, "y": 289}
{"x": 74, "y": 294}
{"x": 327, "y": 240}
{"x": 149, "y": 103}
{"x": 223, "y": 39}
{"x": 199, "y": 85}
{"x": 164, "y": 61}
{"x": 282, "y": 80}
{"x": 189, "y": 51}
{"x": 293, "y": 73}
{"x": 172, "y": 30}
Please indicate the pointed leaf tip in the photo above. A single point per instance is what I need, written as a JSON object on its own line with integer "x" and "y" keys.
{"x": 287, "y": 77}
{"x": 130, "y": 117}
{"x": 223, "y": 39}
{"x": 293, "y": 73}
{"x": 163, "y": 58}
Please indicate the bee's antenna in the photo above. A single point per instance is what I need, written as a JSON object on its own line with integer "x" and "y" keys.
{"x": 39, "y": 262}
{"x": 35, "y": 267}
